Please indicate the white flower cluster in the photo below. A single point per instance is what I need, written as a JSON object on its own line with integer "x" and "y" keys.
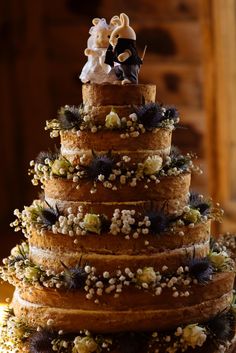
{"x": 60, "y": 167}
{"x": 146, "y": 278}
{"x": 123, "y": 222}
{"x": 70, "y": 224}
{"x": 27, "y": 219}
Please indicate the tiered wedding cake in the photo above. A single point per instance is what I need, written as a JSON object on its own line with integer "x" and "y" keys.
{"x": 118, "y": 256}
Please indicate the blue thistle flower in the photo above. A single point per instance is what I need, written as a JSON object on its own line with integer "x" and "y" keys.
{"x": 159, "y": 221}
{"x": 40, "y": 342}
{"x": 222, "y": 326}
{"x": 75, "y": 277}
{"x": 171, "y": 113}
{"x": 196, "y": 201}
{"x": 40, "y": 159}
{"x": 70, "y": 117}
{"x": 100, "y": 165}
{"x": 49, "y": 216}
{"x": 150, "y": 115}
{"x": 131, "y": 342}
{"x": 201, "y": 269}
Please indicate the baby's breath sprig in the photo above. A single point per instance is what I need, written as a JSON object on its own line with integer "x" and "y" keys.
{"x": 37, "y": 216}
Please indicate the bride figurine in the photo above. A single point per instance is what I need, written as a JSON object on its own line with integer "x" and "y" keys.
{"x": 95, "y": 70}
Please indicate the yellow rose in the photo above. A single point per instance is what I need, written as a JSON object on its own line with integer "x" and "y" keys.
{"x": 84, "y": 345}
{"x": 194, "y": 335}
{"x": 152, "y": 165}
{"x": 112, "y": 120}
{"x": 60, "y": 167}
{"x": 192, "y": 216}
{"x": 219, "y": 260}
{"x": 92, "y": 223}
{"x": 31, "y": 273}
{"x": 148, "y": 275}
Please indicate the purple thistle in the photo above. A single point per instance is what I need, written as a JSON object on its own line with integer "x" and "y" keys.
{"x": 222, "y": 326}
{"x": 196, "y": 202}
{"x": 40, "y": 342}
{"x": 75, "y": 277}
{"x": 131, "y": 342}
{"x": 49, "y": 216}
{"x": 171, "y": 113}
{"x": 40, "y": 159}
{"x": 201, "y": 269}
{"x": 149, "y": 115}
{"x": 100, "y": 165}
{"x": 70, "y": 117}
{"x": 159, "y": 221}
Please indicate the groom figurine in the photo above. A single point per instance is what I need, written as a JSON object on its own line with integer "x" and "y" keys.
{"x": 122, "y": 49}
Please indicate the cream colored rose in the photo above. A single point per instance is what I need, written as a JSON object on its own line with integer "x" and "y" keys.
{"x": 194, "y": 335}
{"x": 219, "y": 260}
{"x": 148, "y": 275}
{"x": 152, "y": 165}
{"x": 84, "y": 345}
{"x": 112, "y": 120}
{"x": 31, "y": 273}
{"x": 60, "y": 167}
{"x": 92, "y": 223}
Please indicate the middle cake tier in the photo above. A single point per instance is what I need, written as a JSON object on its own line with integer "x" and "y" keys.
{"x": 170, "y": 192}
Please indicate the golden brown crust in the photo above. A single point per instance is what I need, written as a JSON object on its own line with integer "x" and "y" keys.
{"x": 98, "y": 95}
{"x": 107, "y": 243}
{"x": 106, "y": 140}
{"x": 105, "y": 321}
{"x": 169, "y": 188}
{"x": 106, "y": 208}
{"x": 73, "y": 146}
{"x": 173, "y": 259}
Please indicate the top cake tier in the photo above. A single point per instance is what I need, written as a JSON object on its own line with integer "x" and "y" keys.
{"x": 118, "y": 95}
{"x": 118, "y": 150}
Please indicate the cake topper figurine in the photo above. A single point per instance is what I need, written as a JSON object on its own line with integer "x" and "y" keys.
{"x": 122, "y": 50}
{"x": 95, "y": 70}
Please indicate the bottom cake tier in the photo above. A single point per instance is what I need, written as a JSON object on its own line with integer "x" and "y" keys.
{"x": 215, "y": 336}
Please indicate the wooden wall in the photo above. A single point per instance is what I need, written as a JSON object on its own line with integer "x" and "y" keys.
{"x": 42, "y": 54}
{"x": 219, "y": 23}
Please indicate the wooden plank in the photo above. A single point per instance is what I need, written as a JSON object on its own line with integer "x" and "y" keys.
{"x": 220, "y": 37}
{"x": 172, "y": 41}
{"x": 198, "y": 181}
{"x": 179, "y": 84}
{"x": 193, "y": 117}
{"x": 145, "y": 10}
